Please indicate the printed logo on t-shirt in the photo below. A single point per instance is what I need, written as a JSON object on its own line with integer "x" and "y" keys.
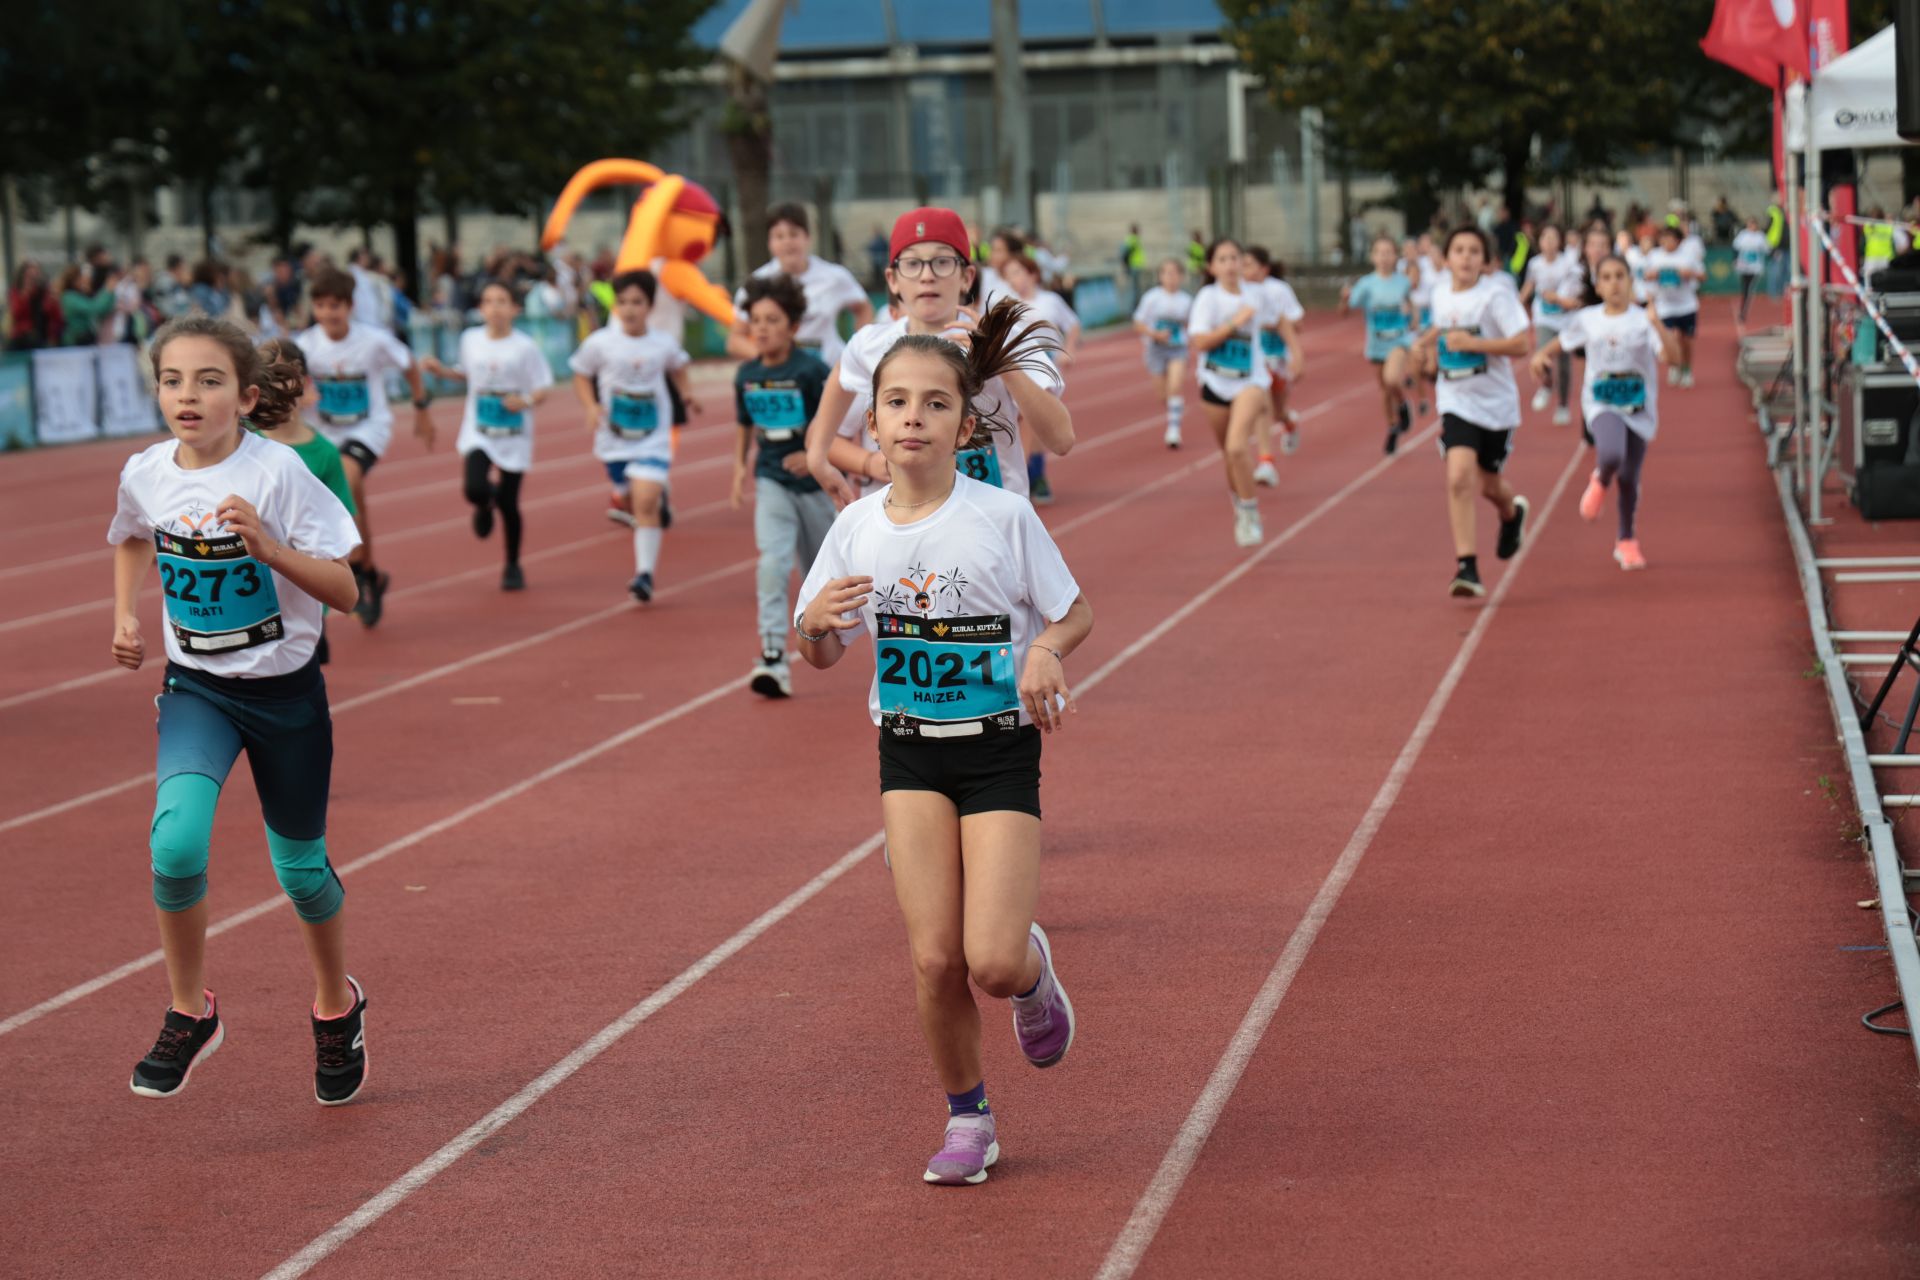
{"x": 945, "y": 676}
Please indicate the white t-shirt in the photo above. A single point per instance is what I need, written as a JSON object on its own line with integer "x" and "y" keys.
{"x": 1166, "y": 314}
{"x": 830, "y": 289}
{"x": 227, "y": 613}
{"x": 957, "y": 597}
{"x": 1558, "y": 275}
{"x": 1230, "y": 368}
{"x": 1673, "y": 294}
{"x": 372, "y": 299}
{"x": 1278, "y": 302}
{"x": 1750, "y": 252}
{"x": 1005, "y": 465}
{"x": 1051, "y": 307}
{"x": 1424, "y": 276}
{"x": 1475, "y": 387}
{"x": 496, "y": 368}
{"x": 636, "y": 417}
{"x": 351, "y": 376}
{"x": 1636, "y": 259}
{"x": 1623, "y": 365}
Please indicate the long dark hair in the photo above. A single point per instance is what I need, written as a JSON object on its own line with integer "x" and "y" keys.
{"x": 1000, "y": 345}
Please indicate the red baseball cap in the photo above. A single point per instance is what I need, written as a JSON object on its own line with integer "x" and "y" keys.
{"x": 930, "y": 223}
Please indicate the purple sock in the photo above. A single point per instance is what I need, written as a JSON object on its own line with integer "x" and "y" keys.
{"x": 971, "y": 1103}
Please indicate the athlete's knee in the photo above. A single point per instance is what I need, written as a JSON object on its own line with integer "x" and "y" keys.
{"x": 303, "y": 871}
{"x": 939, "y": 966}
{"x": 646, "y": 503}
{"x": 179, "y": 839}
{"x": 1000, "y": 970}
{"x": 1462, "y": 482}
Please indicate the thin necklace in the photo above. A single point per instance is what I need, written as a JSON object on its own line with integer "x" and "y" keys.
{"x": 913, "y": 506}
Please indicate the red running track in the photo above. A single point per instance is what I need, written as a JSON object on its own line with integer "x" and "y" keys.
{"x": 1587, "y": 1004}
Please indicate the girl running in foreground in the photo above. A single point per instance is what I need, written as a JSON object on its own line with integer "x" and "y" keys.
{"x": 1624, "y": 345}
{"x": 250, "y": 547}
{"x": 1478, "y": 326}
{"x": 961, "y": 588}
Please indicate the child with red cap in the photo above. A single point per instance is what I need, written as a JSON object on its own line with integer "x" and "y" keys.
{"x": 932, "y": 283}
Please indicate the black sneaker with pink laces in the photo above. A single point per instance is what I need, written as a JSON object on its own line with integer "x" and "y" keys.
{"x": 185, "y": 1042}
{"x": 340, "y": 1052}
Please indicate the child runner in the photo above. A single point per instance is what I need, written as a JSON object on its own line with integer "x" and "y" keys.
{"x": 1233, "y": 385}
{"x": 829, "y": 288}
{"x": 1279, "y": 320}
{"x": 1749, "y": 261}
{"x": 1620, "y": 398}
{"x": 284, "y": 388}
{"x": 972, "y": 613}
{"x": 1022, "y": 276}
{"x": 775, "y": 395}
{"x": 1385, "y": 298}
{"x": 506, "y": 376}
{"x": 350, "y": 362}
{"x": 1478, "y": 326}
{"x": 1553, "y": 288}
{"x": 928, "y": 279}
{"x": 622, "y": 374}
{"x": 250, "y": 547}
{"x": 1675, "y": 273}
{"x": 1422, "y": 270}
{"x": 1161, "y": 322}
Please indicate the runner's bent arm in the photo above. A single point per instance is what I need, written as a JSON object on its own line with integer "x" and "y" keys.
{"x": 131, "y": 560}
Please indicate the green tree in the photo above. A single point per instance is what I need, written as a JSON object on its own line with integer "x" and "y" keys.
{"x": 1440, "y": 94}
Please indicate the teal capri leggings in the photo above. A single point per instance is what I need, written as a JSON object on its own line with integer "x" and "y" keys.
{"x": 283, "y": 724}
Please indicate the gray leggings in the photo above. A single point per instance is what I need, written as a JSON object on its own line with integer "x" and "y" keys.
{"x": 1619, "y": 453}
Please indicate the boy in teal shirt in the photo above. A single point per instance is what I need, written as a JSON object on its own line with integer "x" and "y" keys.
{"x": 775, "y": 395}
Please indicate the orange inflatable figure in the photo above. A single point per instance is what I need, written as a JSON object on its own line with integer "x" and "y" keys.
{"x": 674, "y": 219}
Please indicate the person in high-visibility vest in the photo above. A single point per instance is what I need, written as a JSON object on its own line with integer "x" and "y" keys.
{"x": 1522, "y": 250}
{"x": 1133, "y": 256}
{"x": 1776, "y": 249}
{"x": 1876, "y": 244}
{"x": 1196, "y": 254}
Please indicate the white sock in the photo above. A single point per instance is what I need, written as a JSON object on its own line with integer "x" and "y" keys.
{"x": 1246, "y": 504}
{"x": 1176, "y": 405}
{"x": 646, "y": 548}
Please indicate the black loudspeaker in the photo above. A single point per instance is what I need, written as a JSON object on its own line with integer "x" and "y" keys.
{"x": 1906, "y": 68}
{"x": 1887, "y": 449}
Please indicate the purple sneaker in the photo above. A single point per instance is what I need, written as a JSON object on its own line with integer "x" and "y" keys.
{"x": 967, "y": 1154}
{"x": 1043, "y": 1021}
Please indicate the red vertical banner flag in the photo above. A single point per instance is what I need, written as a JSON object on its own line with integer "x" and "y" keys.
{"x": 1758, "y": 37}
{"x": 1827, "y": 39}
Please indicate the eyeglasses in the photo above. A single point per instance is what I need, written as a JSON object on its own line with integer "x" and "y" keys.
{"x": 942, "y": 267}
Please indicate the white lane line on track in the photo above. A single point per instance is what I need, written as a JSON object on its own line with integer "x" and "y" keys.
{"x": 396, "y": 1192}
{"x": 1157, "y": 1200}
{"x": 52, "y": 1003}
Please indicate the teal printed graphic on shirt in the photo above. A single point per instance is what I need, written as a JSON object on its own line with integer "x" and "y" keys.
{"x": 1170, "y": 333}
{"x": 493, "y": 416}
{"x": 982, "y": 464}
{"x": 1623, "y": 391}
{"x": 219, "y": 598}
{"x": 941, "y": 673}
{"x": 1233, "y": 358}
{"x": 343, "y": 399}
{"x": 1386, "y": 323}
{"x": 635, "y": 415}
{"x": 1272, "y": 346}
{"x": 1669, "y": 278}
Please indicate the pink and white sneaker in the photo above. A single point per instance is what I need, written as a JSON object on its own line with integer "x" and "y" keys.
{"x": 967, "y": 1154}
{"x": 1593, "y": 498}
{"x": 1627, "y": 552}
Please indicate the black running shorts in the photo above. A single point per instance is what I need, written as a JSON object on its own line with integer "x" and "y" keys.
{"x": 994, "y": 771}
{"x": 1490, "y": 448}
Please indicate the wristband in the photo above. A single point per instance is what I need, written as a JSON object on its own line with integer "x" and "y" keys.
{"x": 799, "y": 631}
{"x": 1050, "y": 649}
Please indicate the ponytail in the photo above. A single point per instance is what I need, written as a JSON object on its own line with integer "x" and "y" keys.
{"x": 1000, "y": 345}
{"x": 282, "y": 380}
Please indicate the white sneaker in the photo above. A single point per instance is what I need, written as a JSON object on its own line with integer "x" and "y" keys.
{"x": 1542, "y": 398}
{"x": 1562, "y": 416}
{"x": 1290, "y": 440}
{"x": 1673, "y": 376}
{"x": 1686, "y": 379}
{"x": 1246, "y": 527}
{"x": 1267, "y": 474}
{"x": 772, "y": 679}
{"x": 1173, "y": 437}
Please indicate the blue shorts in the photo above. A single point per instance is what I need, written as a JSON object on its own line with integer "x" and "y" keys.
{"x": 283, "y": 724}
{"x": 620, "y": 473}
